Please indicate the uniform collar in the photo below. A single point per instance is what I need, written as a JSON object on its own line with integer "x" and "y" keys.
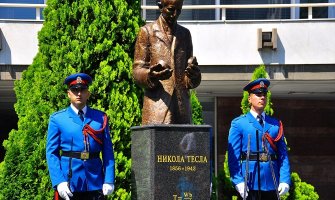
{"x": 254, "y": 114}
{"x": 76, "y": 110}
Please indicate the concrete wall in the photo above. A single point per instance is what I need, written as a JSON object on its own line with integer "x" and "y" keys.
{"x": 19, "y": 42}
{"x": 235, "y": 43}
{"x": 215, "y": 43}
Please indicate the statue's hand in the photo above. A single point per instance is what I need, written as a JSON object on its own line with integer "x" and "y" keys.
{"x": 192, "y": 70}
{"x": 160, "y": 71}
{"x": 192, "y": 61}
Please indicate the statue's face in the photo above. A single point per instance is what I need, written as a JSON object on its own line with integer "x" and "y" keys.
{"x": 171, "y": 10}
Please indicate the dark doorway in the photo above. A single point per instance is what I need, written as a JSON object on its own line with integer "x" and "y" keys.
{"x": 8, "y": 121}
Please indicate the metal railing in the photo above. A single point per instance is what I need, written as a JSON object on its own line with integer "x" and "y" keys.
{"x": 223, "y": 8}
{"x": 38, "y": 7}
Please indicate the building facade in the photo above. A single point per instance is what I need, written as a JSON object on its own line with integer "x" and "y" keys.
{"x": 293, "y": 40}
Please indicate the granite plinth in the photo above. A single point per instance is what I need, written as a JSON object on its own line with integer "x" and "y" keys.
{"x": 171, "y": 162}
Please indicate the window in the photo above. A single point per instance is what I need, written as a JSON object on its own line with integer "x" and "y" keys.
{"x": 247, "y": 13}
{"x": 19, "y": 13}
{"x": 257, "y": 13}
{"x": 320, "y": 12}
{"x": 185, "y": 14}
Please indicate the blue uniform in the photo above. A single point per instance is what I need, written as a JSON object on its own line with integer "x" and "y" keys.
{"x": 237, "y": 144}
{"x": 65, "y": 134}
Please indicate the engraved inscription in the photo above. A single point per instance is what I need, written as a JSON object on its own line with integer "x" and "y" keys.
{"x": 186, "y": 196}
{"x": 181, "y": 159}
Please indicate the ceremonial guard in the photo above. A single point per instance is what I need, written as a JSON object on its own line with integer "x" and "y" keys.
{"x": 257, "y": 153}
{"x": 76, "y": 137}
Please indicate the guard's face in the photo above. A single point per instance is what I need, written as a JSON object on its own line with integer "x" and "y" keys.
{"x": 78, "y": 97}
{"x": 171, "y": 10}
{"x": 257, "y": 101}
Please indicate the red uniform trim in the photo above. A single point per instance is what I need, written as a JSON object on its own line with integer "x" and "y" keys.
{"x": 88, "y": 130}
{"x": 271, "y": 140}
{"x": 76, "y": 82}
{"x": 56, "y": 195}
{"x": 258, "y": 86}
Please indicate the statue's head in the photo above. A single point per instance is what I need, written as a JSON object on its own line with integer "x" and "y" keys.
{"x": 170, "y": 10}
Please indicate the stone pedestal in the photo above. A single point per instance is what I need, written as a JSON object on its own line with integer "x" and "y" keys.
{"x": 171, "y": 162}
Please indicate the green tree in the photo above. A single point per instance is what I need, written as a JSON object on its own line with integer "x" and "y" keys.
{"x": 95, "y": 37}
{"x": 300, "y": 190}
{"x": 196, "y": 109}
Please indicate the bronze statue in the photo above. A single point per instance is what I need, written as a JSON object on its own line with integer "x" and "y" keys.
{"x": 164, "y": 65}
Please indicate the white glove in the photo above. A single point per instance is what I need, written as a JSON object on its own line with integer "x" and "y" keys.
{"x": 107, "y": 188}
{"x": 283, "y": 188}
{"x": 210, "y": 190}
{"x": 240, "y": 189}
{"x": 64, "y": 191}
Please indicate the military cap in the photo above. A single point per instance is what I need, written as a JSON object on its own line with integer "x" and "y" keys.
{"x": 79, "y": 80}
{"x": 257, "y": 86}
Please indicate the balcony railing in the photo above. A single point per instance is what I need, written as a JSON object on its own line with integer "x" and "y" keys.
{"x": 220, "y": 9}
{"x": 223, "y": 8}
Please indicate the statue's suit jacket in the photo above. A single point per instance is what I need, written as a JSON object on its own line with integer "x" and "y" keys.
{"x": 65, "y": 134}
{"x": 151, "y": 46}
{"x": 240, "y": 128}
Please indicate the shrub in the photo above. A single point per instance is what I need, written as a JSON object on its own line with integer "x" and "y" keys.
{"x": 94, "y": 37}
